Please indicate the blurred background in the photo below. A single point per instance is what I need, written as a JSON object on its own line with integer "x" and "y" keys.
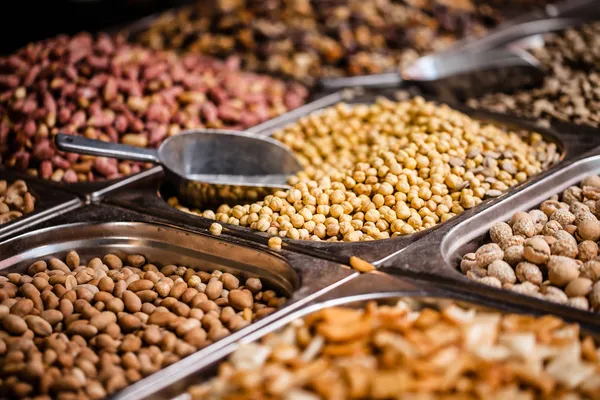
{"x": 36, "y": 20}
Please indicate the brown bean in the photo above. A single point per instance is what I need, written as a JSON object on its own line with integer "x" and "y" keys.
{"x": 132, "y": 301}
{"x": 14, "y": 324}
{"x": 142, "y": 284}
{"x": 120, "y": 288}
{"x": 55, "y": 264}
{"x": 53, "y": 317}
{"x": 178, "y": 290}
{"x": 103, "y": 297}
{"x": 36, "y": 267}
{"x": 162, "y": 288}
{"x": 161, "y": 319}
{"x": 50, "y": 300}
{"x": 22, "y": 307}
{"x": 131, "y": 343}
{"x": 135, "y": 260}
{"x": 112, "y": 261}
{"x": 95, "y": 263}
{"x": 38, "y": 325}
{"x": 82, "y": 328}
{"x": 102, "y": 320}
{"x": 128, "y": 322}
{"x": 214, "y": 289}
{"x": 181, "y": 309}
{"x": 115, "y": 305}
{"x": 106, "y": 284}
{"x": 147, "y": 296}
{"x": 152, "y": 335}
{"x": 72, "y": 259}
{"x": 4, "y": 311}
{"x": 66, "y": 308}
{"x": 196, "y": 337}
{"x": 230, "y": 282}
{"x": 188, "y": 295}
{"x": 130, "y": 360}
{"x": 240, "y": 299}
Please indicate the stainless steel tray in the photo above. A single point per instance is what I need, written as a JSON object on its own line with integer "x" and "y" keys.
{"x": 92, "y": 231}
{"x": 437, "y": 257}
{"x": 369, "y": 287}
{"x": 144, "y": 195}
{"x": 49, "y": 202}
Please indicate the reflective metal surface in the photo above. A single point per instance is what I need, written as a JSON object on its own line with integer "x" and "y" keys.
{"x": 92, "y": 231}
{"x": 206, "y": 166}
{"x": 437, "y": 257}
{"x": 149, "y": 195}
{"x": 381, "y": 288}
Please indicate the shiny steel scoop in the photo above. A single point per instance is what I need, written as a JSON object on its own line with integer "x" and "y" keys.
{"x": 473, "y": 67}
{"x": 461, "y": 73}
{"x": 205, "y": 166}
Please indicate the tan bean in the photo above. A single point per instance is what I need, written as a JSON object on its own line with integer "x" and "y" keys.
{"x": 115, "y": 305}
{"x": 112, "y": 261}
{"x": 82, "y": 328}
{"x": 103, "y": 297}
{"x": 36, "y": 267}
{"x": 152, "y": 335}
{"x": 72, "y": 259}
{"x": 135, "y": 260}
{"x": 53, "y": 317}
{"x": 22, "y": 307}
{"x": 142, "y": 284}
{"x": 131, "y": 343}
{"x": 4, "y": 311}
{"x": 178, "y": 290}
{"x": 161, "y": 319}
{"x": 196, "y": 337}
{"x": 39, "y": 325}
{"x": 240, "y": 299}
{"x": 66, "y": 308}
{"x": 181, "y": 309}
{"x": 119, "y": 289}
{"x": 132, "y": 301}
{"x": 103, "y": 319}
{"x": 147, "y": 296}
{"x": 14, "y": 324}
{"x": 128, "y": 322}
{"x": 214, "y": 289}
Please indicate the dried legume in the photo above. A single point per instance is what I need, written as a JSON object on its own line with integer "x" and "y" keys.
{"x": 390, "y": 352}
{"x": 309, "y": 39}
{"x": 387, "y": 169}
{"x": 103, "y": 88}
{"x": 571, "y": 90}
{"x": 87, "y": 331}
{"x": 558, "y": 259}
{"x": 15, "y": 200}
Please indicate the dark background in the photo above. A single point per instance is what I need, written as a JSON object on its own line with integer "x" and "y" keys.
{"x": 24, "y": 21}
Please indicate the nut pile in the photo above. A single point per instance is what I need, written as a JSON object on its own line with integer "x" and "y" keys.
{"x": 15, "y": 200}
{"x": 71, "y": 330}
{"x": 308, "y": 39}
{"x": 103, "y": 88}
{"x": 551, "y": 252}
{"x": 392, "y": 352}
{"x": 570, "y": 92}
{"x": 388, "y": 169}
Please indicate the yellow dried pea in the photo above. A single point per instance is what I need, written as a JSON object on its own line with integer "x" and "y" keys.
{"x": 388, "y": 169}
{"x": 385, "y": 352}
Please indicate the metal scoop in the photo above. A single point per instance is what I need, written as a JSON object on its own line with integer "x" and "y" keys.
{"x": 205, "y": 166}
{"x": 455, "y": 76}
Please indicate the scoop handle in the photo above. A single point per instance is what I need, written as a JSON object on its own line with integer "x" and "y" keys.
{"x": 82, "y": 145}
{"x": 376, "y": 81}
